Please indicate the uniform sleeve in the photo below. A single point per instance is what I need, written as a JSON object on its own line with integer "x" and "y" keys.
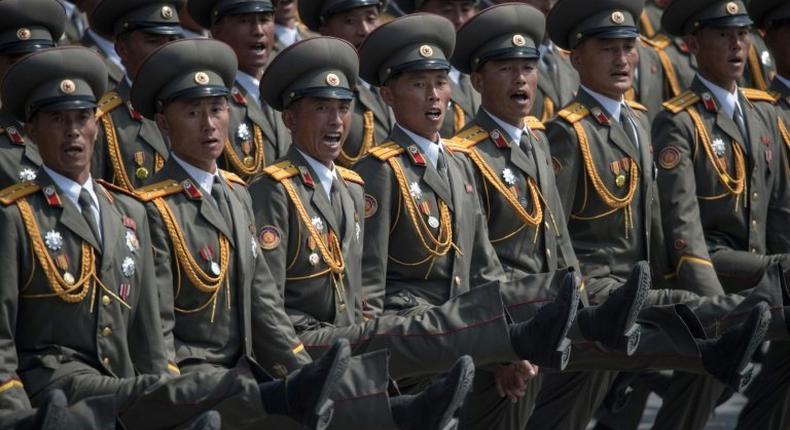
{"x": 12, "y": 253}
{"x": 382, "y": 203}
{"x": 777, "y": 232}
{"x": 270, "y": 208}
{"x": 688, "y": 252}
{"x": 150, "y": 335}
{"x": 566, "y": 161}
{"x": 163, "y": 269}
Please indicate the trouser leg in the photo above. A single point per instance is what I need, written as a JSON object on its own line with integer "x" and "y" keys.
{"x": 688, "y": 402}
{"x": 769, "y": 395}
{"x": 568, "y": 400}
{"x": 486, "y": 410}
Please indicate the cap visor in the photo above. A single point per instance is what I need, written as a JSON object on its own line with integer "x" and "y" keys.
{"x": 728, "y": 22}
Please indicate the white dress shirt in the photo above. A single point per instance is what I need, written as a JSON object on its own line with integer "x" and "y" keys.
{"x": 250, "y": 85}
{"x": 72, "y": 189}
{"x": 727, "y": 100}
{"x": 203, "y": 178}
{"x": 610, "y": 105}
{"x": 325, "y": 174}
{"x": 514, "y": 132}
{"x": 430, "y": 149}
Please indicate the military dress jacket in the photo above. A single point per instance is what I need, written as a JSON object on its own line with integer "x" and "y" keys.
{"x": 718, "y": 188}
{"x": 129, "y": 148}
{"x": 556, "y": 85}
{"x": 519, "y": 198}
{"x": 371, "y": 123}
{"x": 19, "y": 157}
{"x": 314, "y": 256}
{"x": 426, "y": 238}
{"x": 115, "y": 74}
{"x": 72, "y": 302}
{"x": 782, "y": 94}
{"x": 648, "y": 88}
{"x": 464, "y": 102}
{"x": 212, "y": 272}
{"x": 608, "y": 191}
{"x": 256, "y": 136}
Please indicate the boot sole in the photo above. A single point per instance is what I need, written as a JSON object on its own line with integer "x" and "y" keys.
{"x": 324, "y": 407}
{"x": 462, "y": 388}
{"x": 560, "y": 356}
{"x": 629, "y": 340}
{"x": 753, "y": 339}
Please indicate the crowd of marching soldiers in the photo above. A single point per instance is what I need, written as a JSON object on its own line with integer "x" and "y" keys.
{"x": 415, "y": 214}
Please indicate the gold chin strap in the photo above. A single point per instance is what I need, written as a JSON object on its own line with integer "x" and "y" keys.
{"x": 368, "y": 133}
{"x": 459, "y": 120}
{"x": 76, "y": 291}
{"x": 247, "y": 171}
{"x": 735, "y": 186}
{"x": 609, "y": 199}
{"x": 204, "y": 282}
{"x": 329, "y": 248}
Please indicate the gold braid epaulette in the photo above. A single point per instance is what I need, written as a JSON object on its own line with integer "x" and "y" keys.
{"x": 15, "y": 192}
{"x": 534, "y": 123}
{"x": 459, "y": 119}
{"x": 282, "y": 170}
{"x": 659, "y": 41}
{"x": 350, "y": 175}
{"x": 760, "y": 96}
{"x": 232, "y": 177}
{"x": 387, "y": 150}
{"x": 574, "y": 113}
{"x": 159, "y": 189}
{"x": 108, "y": 103}
{"x": 120, "y": 190}
{"x": 680, "y": 103}
{"x": 636, "y": 105}
{"x": 467, "y": 139}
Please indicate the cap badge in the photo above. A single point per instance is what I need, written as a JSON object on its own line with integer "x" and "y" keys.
{"x": 618, "y": 17}
{"x": 166, "y": 12}
{"x": 732, "y": 8}
{"x": 201, "y": 78}
{"x": 332, "y": 80}
{"x": 518, "y": 40}
{"x": 67, "y": 86}
{"x": 23, "y": 34}
{"x": 426, "y": 51}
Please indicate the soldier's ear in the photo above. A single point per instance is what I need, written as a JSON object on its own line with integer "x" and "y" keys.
{"x": 289, "y": 117}
{"x": 387, "y": 94}
{"x": 477, "y": 80}
{"x": 692, "y": 41}
{"x": 162, "y": 124}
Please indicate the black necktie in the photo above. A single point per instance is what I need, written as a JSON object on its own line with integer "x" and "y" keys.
{"x": 85, "y": 202}
{"x": 526, "y": 145}
{"x": 218, "y": 193}
{"x": 337, "y": 205}
{"x": 628, "y": 125}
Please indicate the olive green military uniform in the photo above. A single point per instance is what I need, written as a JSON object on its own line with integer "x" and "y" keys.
{"x": 648, "y": 89}
{"x": 28, "y": 26}
{"x": 115, "y": 72}
{"x": 557, "y": 82}
{"x": 130, "y": 148}
{"x": 372, "y": 119}
{"x": 464, "y": 103}
{"x": 650, "y": 19}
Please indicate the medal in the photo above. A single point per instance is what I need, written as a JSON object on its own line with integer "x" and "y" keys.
{"x": 415, "y": 191}
{"x": 131, "y": 241}
{"x": 243, "y": 132}
{"x": 141, "y": 173}
{"x": 124, "y": 290}
{"x": 127, "y": 267}
{"x": 425, "y": 207}
{"x": 313, "y": 258}
{"x": 215, "y": 268}
{"x": 248, "y": 161}
{"x": 620, "y": 180}
{"x": 318, "y": 223}
{"x": 508, "y": 176}
{"x": 433, "y": 222}
{"x": 68, "y": 278}
{"x": 53, "y": 240}
{"x": 207, "y": 254}
{"x": 27, "y": 175}
{"x": 718, "y": 147}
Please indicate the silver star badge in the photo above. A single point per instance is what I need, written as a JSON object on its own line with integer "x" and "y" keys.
{"x": 318, "y": 223}
{"x": 54, "y": 240}
{"x": 27, "y": 175}
{"x": 508, "y": 176}
{"x": 131, "y": 241}
{"x": 243, "y": 132}
{"x": 127, "y": 267}
{"x": 415, "y": 191}
{"x": 718, "y": 147}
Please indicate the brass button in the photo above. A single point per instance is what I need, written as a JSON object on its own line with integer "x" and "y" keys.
{"x": 754, "y": 196}
{"x": 754, "y": 250}
{"x": 106, "y": 332}
{"x": 457, "y": 280}
{"x": 548, "y": 253}
{"x": 105, "y": 361}
{"x": 754, "y": 223}
{"x": 105, "y": 300}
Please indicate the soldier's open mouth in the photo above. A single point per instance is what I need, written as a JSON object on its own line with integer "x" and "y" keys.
{"x": 735, "y": 60}
{"x": 258, "y": 48}
{"x": 332, "y": 139}
{"x": 73, "y": 150}
{"x": 520, "y": 97}
{"x": 433, "y": 114}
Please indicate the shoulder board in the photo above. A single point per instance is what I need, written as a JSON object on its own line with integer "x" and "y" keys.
{"x": 232, "y": 177}
{"x": 108, "y": 102}
{"x": 282, "y": 170}
{"x": 387, "y": 150}
{"x": 114, "y": 188}
{"x": 15, "y": 192}
{"x": 660, "y": 41}
{"x": 635, "y": 105}
{"x": 350, "y": 175}
{"x": 534, "y": 123}
{"x": 454, "y": 146}
{"x": 467, "y": 138}
{"x": 159, "y": 189}
{"x": 752, "y": 94}
{"x": 684, "y": 100}
{"x": 574, "y": 112}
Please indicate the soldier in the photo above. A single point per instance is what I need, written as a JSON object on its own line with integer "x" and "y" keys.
{"x": 130, "y": 149}
{"x": 216, "y": 318}
{"x": 288, "y": 29}
{"x": 353, "y": 21}
{"x": 256, "y": 136}
{"x": 100, "y": 43}
{"x": 27, "y": 27}
{"x": 79, "y": 252}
